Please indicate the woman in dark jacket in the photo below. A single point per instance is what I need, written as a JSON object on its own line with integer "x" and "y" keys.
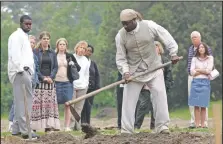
{"x": 94, "y": 84}
{"x": 45, "y": 108}
{"x": 64, "y": 79}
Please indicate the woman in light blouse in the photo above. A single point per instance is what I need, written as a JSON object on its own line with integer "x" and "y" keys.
{"x": 64, "y": 80}
{"x": 201, "y": 66}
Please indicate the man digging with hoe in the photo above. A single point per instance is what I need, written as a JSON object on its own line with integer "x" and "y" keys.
{"x": 136, "y": 53}
{"x": 138, "y": 62}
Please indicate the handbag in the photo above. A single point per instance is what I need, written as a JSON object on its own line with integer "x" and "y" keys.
{"x": 214, "y": 74}
{"x": 73, "y": 70}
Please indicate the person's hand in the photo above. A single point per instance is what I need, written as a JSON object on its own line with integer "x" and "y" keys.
{"x": 197, "y": 73}
{"x": 71, "y": 63}
{"x": 45, "y": 79}
{"x": 49, "y": 80}
{"x": 126, "y": 77}
{"x": 174, "y": 59}
{"x": 198, "y": 70}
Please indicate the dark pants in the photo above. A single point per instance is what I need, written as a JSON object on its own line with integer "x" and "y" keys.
{"x": 11, "y": 113}
{"x": 86, "y": 111}
{"x": 119, "y": 93}
{"x": 144, "y": 106}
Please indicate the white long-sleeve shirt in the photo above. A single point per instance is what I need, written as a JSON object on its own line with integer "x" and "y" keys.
{"x": 82, "y": 82}
{"x": 20, "y": 54}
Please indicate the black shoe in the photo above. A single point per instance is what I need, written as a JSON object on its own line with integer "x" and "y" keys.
{"x": 192, "y": 127}
{"x": 152, "y": 126}
{"x": 16, "y": 134}
{"x": 34, "y": 136}
{"x": 48, "y": 129}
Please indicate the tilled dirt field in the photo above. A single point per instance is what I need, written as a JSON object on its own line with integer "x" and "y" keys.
{"x": 175, "y": 137}
{"x": 140, "y": 138}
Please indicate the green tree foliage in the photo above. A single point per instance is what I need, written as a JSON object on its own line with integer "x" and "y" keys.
{"x": 98, "y": 24}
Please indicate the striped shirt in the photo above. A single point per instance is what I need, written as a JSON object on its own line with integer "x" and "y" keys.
{"x": 191, "y": 53}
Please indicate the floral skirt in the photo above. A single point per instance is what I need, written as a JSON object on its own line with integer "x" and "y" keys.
{"x": 45, "y": 112}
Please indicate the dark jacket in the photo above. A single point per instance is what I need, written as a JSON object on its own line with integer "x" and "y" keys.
{"x": 54, "y": 65}
{"x": 119, "y": 76}
{"x": 35, "y": 79}
{"x": 69, "y": 57}
{"x": 168, "y": 78}
{"x": 94, "y": 79}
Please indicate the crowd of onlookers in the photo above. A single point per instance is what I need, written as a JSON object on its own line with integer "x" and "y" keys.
{"x": 50, "y": 76}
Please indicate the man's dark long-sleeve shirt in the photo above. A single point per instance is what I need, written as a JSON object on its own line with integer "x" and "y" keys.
{"x": 94, "y": 79}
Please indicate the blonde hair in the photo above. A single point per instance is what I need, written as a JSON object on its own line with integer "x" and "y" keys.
{"x": 160, "y": 46}
{"x": 80, "y": 43}
{"x": 42, "y": 34}
{"x": 57, "y": 43}
{"x": 32, "y": 37}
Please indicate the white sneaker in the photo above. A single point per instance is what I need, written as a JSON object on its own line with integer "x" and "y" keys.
{"x": 67, "y": 129}
{"x": 10, "y": 126}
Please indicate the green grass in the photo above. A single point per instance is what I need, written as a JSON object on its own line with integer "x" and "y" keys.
{"x": 4, "y": 116}
{"x": 116, "y": 132}
{"x": 75, "y": 133}
{"x": 183, "y": 113}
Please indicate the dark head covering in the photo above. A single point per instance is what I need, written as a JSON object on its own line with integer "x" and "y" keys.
{"x": 92, "y": 48}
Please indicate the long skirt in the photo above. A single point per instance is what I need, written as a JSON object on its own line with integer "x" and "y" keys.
{"x": 45, "y": 112}
{"x": 200, "y": 92}
{"x": 64, "y": 91}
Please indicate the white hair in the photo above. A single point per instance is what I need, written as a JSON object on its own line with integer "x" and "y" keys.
{"x": 195, "y": 33}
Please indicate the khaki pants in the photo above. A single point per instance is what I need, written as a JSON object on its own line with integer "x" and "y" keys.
{"x": 78, "y": 107}
{"x": 19, "y": 120}
{"x": 159, "y": 100}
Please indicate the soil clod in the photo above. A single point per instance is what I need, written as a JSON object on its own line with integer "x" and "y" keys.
{"x": 88, "y": 130}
